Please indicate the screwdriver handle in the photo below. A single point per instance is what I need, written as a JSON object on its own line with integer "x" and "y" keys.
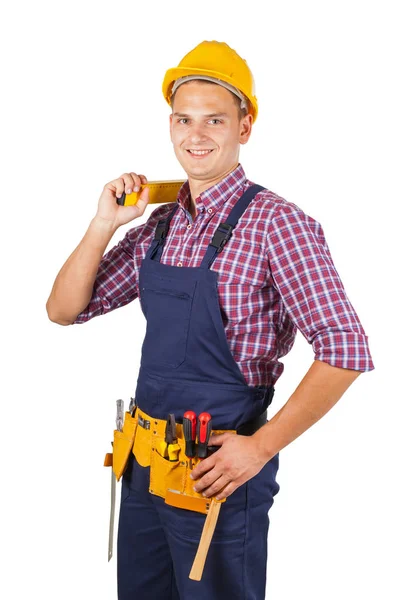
{"x": 189, "y": 431}
{"x": 203, "y": 434}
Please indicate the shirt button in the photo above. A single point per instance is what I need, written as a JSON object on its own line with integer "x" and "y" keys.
{"x": 188, "y": 226}
{"x": 209, "y": 210}
{"x": 179, "y": 264}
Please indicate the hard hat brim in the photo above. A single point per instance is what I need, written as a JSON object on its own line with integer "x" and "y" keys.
{"x": 173, "y": 74}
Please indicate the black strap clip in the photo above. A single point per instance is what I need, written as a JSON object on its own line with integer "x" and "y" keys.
{"x": 221, "y": 237}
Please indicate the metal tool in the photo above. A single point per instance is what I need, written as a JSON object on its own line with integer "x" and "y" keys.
{"x": 163, "y": 445}
{"x": 119, "y": 421}
{"x": 120, "y": 415}
{"x": 189, "y": 431}
{"x": 132, "y": 406}
{"x": 203, "y": 434}
{"x": 171, "y": 439}
{"x": 169, "y": 447}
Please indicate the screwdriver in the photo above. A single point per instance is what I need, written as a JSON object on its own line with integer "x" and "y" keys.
{"x": 203, "y": 434}
{"x": 189, "y": 430}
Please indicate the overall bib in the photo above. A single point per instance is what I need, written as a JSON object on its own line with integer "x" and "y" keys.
{"x": 187, "y": 364}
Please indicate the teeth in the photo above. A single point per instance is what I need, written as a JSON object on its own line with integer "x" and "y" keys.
{"x": 199, "y": 152}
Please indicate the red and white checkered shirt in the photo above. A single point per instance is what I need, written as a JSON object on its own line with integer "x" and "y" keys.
{"x": 276, "y": 275}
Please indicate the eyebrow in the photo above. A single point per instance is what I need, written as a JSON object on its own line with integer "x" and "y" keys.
{"x": 184, "y": 115}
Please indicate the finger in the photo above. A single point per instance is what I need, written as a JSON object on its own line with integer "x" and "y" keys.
{"x": 137, "y": 182}
{"x": 217, "y": 439}
{"x": 227, "y": 491}
{"x": 117, "y": 186}
{"x": 203, "y": 467}
{"x": 216, "y": 486}
{"x": 128, "y": 182}
{"x": 131, "y": 182}
{"x": 207, "y": 480}
{"x": 143, "y": 179}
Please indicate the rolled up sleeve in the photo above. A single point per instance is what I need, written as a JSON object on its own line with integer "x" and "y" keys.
{"x": 312, "y": 291}
{"x": 116, "y": 279}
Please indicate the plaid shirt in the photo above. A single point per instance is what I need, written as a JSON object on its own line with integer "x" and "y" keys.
{"x": 276, "y": 275}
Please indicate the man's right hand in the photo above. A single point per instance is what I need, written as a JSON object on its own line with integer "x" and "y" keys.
{"x": 109, "y": 212}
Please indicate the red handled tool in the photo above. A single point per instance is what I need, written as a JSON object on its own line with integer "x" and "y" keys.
{"x": 203, "y": 434}
{"x": 189, "y": 431}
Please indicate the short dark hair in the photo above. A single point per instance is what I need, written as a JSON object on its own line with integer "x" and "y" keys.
{"x": 242, "y": 112}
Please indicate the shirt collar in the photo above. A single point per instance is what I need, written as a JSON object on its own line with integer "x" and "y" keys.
{"x": 215, "y": 196}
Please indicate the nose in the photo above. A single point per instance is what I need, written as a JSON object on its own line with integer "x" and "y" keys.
{"x": 197, "y": 134}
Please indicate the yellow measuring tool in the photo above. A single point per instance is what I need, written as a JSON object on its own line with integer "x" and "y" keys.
{"x": 160, "y": 192}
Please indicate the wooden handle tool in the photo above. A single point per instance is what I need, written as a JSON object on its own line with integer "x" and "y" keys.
{"x": 205, "y": 540}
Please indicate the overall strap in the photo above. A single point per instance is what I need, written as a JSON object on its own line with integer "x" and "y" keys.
{"x": 158, "y": 242}
{"x": 224, "y": 230}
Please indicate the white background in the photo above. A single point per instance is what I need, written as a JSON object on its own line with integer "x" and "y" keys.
{"x": 81, "y": 104}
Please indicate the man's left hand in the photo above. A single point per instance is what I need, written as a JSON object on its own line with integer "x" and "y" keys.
{"x": 236, "y": 461}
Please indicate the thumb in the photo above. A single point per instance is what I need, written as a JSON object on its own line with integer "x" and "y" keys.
{"x": 217, "y": 439}
{"x": 143, "y": 200}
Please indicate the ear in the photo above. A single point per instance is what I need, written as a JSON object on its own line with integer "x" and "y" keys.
{"x": 246, "y": 124}
{"x": 170, "y": 126}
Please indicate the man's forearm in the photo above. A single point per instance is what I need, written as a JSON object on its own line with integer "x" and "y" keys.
{"x": 73, "y": 285}
{"x": 322, "y": 386}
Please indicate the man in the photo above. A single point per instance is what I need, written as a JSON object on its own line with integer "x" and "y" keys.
{"x": 222, "y": 303}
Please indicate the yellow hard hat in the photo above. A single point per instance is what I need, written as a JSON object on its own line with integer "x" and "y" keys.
{"x": 215, "y": 60}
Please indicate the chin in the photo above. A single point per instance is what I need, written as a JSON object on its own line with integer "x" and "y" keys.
{"x": 200, "y": 173}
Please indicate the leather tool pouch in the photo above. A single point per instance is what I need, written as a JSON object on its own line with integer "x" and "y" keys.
{"x": 142, "y": 435}
{"x": 168, "y": 479}
{"x": 122, "y": 445}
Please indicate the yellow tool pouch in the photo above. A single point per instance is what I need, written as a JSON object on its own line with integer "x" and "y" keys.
{"x": 122, "y": 445}
{"x": 168, "y": 479}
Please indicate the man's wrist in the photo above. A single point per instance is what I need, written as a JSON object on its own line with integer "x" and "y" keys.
{"x": 103, "y": 226}
{"x": 263, "y": 441}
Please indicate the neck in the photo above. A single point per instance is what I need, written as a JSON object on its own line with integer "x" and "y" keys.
{"x": 197, "y": 186}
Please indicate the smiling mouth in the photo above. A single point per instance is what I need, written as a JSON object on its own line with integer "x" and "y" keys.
{"x": 200, "y": 152}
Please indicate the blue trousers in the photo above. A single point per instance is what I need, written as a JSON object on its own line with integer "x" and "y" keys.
{"x": 157, "y": 543}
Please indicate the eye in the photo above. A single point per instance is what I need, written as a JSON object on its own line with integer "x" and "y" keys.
{"x": 216, "y": 120}
{"x": 183, "y": 119}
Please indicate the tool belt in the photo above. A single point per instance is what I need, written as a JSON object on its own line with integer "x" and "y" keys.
{"x": 169, "y": 479}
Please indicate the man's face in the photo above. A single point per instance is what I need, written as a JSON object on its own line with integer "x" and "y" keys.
{"x": 206, "y": 118}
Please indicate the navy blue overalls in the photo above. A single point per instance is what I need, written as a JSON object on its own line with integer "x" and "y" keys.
{"x": 187, "y": 365}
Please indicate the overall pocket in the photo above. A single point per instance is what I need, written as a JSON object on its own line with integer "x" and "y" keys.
{"x": 167, "y": 310}
{"x": 122, "y": 445}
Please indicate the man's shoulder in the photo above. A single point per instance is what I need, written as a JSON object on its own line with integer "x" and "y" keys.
{"x": 276, "y": 204}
